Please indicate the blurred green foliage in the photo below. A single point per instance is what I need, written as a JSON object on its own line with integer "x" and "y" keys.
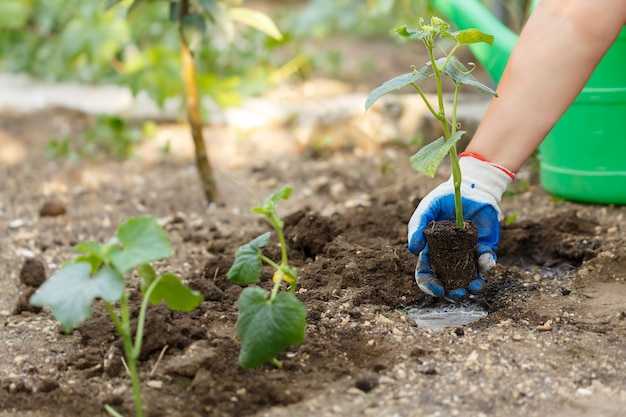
{"x": 108, "y": 137}
{"x": 81, "y": 40}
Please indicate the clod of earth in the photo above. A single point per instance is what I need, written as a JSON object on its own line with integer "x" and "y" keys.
{"x": 452, "y": 253}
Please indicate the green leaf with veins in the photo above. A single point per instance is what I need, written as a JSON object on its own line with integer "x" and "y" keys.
{"x": 427, "y": 159}
{"x": 70, "y": 292}
{"x": 266, "y": 328}
{"x": 461, "y": 75}
{"x": 396, "y": 83}
{"x": 142, "y": 241}
{"x": 469, "y": 36}
{"x": 177, "y": 296}
{"x": 270, "y": 202}
{"x": 247, "y": 266}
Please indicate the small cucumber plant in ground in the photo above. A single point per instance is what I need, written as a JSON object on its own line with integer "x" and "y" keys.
{"x": 269, "y": 322}
{"x": 99, "y": 273}
{"x": 452, "y": 244}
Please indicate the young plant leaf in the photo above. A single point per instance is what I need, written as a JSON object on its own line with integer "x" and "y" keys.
{"x": 469, "y": 36}
{"x": 247, "y": 265}
{"x": 282, "y": 193}
{"x": 395, "y": 83}
{"x": 257, "y": 20}
{"x": 177, "y": 296}
{"x": 266, "y": 328}
{"x": 427, "y": 159}
{"x": 72, "y": 289}
{"x": 147, "y": 275}
{"x": 143, "y": 241}
{"x": 461, "y": 75}
{"x": 413, "y": 34}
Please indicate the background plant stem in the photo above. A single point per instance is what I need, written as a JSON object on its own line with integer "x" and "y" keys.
{"x": 192, "y": 102}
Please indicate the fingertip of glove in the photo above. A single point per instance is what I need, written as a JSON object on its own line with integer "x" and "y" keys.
{"x": 476, "y": 286}
{"x": 457, "y": 295}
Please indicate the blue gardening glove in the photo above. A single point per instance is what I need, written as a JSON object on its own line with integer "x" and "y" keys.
{"x": 483, "y": 184}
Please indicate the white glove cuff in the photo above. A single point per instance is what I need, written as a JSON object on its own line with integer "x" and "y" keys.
{"x": 482, "y": 179}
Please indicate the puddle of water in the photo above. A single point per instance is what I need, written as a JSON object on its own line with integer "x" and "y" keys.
{"x": 447, "y": 315}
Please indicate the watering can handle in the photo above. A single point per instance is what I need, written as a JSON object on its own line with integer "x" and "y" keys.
{"x": 471, "y": 13}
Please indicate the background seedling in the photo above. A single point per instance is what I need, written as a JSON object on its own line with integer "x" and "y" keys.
{"x": 268, "y": 323}
{"x": 99, "y": 273}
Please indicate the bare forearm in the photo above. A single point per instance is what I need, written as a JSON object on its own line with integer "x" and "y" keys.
{"x": 556, "y": 54}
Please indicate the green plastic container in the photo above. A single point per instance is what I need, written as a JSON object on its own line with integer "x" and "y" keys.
{"x": 584, "y": 156}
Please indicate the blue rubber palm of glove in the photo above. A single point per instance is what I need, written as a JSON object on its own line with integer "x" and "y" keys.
{"x": 486, "y": 219}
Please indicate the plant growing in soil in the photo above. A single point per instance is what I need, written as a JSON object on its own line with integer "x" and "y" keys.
{"x": 268, "y": 322}
{"x": 442, "y": 63}
{"x": 99, "y": 273}
{"x": 195, "y": 19}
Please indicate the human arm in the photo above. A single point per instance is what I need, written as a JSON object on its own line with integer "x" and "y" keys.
{"x": 557, "y": 51}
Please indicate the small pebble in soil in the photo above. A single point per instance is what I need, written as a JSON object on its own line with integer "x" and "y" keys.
{"x": 545, "y": 327}
{"x": 366, "y": 383}
{"x": 32, "y": 273}
{"x": 52, "y": 208}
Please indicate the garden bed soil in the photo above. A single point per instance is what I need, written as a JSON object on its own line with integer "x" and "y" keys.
{"x": 552, "y": 344}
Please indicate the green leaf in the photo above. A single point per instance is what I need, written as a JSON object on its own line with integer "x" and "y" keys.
{"x": 469, "y": 36}
{"x": 194, "y": 29}
{"x": 143, "y": 241}
{"x": 91, "y": 248}
{"x": 282, "y": 193}
{"x": 71, "y": 291}
{"x": 255, "y": 19}
{"x": 13, "y": 14}
{"x": 427, "y": 159}
{"x": 177, "y": 296}
{"x": 266, "y": 328}
{"x": 395, "y": 84}
{"x": 247, "y": 266}
{"x": 147, "y": 274}
{"x": 413, "y": 34}
{"x": 461, "y": 75}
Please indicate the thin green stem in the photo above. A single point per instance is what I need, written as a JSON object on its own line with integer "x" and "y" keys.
{"x": 129, "y": 353}
{"x": 442, "y": 111}
{"x": 142, "y": 317}
{"x": 434, "y": 112}
{"x": 277, "y": 224}
{"x": 456, "y": 168}
{"x": 455, "y": 102}
{"x": 456, "y": 179}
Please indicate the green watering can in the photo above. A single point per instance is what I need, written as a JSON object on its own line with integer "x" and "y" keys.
{"x": 583, "y": 158}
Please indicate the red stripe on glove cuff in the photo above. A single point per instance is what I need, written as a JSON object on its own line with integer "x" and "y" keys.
{"x": 480, "y": 158}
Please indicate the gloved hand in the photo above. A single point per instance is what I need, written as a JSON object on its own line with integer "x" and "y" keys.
{"x": 482, "y": 186}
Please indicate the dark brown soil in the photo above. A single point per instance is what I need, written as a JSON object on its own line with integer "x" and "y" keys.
{"x": 452, "y": 253}
{"x": 554, "y": 332}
